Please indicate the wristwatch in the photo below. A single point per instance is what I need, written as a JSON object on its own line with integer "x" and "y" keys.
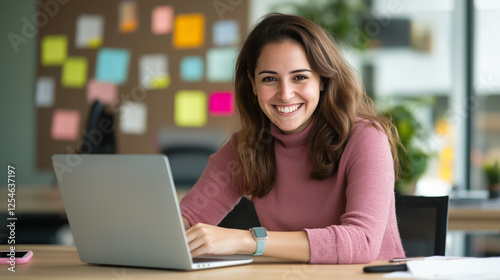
{"x": 260, "y": 235}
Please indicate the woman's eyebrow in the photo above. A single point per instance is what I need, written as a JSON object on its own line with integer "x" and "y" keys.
{"x": 291, "y": 72}
{"x": 268, "y": 72}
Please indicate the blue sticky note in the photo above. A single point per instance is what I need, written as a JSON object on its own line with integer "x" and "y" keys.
{"x": 221, "y": 63}
{"x": 226, "y": 33}
{"x": 112, "y": 65}
{"x": 192, "y": 68}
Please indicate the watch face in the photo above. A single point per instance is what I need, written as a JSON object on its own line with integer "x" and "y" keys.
{"x": 260, "y": 232}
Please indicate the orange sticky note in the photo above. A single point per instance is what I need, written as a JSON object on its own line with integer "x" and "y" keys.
{"x": 65, "y": 124}
{"x": 161, "y": 19}
{"x": 189, "y": 31}
{"x": 128, "y": 16}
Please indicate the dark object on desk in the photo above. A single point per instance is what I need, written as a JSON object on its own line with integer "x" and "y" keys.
{"x": 99, "y": 137}
{"x": 422, "y": 223}
{"x": 385, "y": 268}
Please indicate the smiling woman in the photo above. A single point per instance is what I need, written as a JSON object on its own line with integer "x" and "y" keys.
{"x": 316, "y": 159}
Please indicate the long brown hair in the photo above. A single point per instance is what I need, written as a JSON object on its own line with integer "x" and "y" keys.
{"x": 342, "y": 100}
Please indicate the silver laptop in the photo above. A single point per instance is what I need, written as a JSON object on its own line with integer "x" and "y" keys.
{"x": 123, "y": 210}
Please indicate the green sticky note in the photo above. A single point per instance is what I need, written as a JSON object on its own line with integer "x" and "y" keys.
{"x": 74, "y": 72}
{"x": 190, "y": 108}
{"x": 54, "y": 50}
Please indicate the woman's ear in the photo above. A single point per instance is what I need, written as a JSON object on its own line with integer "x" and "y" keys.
{"x": 253, "y": 82}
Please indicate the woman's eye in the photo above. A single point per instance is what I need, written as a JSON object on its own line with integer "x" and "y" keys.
{"x": 268, "y": 79}
{"x": 300, "y": 77}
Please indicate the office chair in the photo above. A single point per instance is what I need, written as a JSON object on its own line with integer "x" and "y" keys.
{"x": 422, "y": 223}
{"x": 188, "y": 162}
{"x": 243, "y": 216}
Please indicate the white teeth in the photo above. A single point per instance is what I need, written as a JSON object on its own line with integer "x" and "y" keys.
{"x": 288, "y": 109}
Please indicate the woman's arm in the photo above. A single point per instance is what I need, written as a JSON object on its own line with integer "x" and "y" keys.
{"x": 207, "y": 239}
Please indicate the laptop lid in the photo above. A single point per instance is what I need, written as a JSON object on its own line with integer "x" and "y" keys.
{"x": 123, "y": 210}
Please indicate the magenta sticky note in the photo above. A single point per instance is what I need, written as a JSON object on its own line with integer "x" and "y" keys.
{"x": 221, "y": 103}
{"x": 162, "y": 19}
{"x": 65, "y": 124}
{"x": 106, "y": 93}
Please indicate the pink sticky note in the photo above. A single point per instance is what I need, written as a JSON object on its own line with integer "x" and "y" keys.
{"x": 65, "y": 124}
{"x": 221, "y": 103}
{"x": 161, "y": 19}
{"x": 106, "y": 93}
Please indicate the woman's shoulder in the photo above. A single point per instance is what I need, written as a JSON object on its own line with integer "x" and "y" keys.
{"x": 366, "y": 129}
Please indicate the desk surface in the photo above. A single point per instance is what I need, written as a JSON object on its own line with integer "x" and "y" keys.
{"x": 62, "y": 262}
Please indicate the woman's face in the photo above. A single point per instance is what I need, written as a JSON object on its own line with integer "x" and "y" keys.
{"x": 286, "y": 86}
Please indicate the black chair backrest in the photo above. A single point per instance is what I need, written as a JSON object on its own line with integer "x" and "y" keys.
{"x": 422, "y": 223}
{"x": 187, "y": 162}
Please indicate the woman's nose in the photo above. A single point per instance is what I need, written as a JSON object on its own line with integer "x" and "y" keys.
{"x": 286, "y": 91}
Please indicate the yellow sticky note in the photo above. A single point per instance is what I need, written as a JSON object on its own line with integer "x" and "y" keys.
{"x": 190, "y": 108}
{"x": 189, "y": 31}
{"x": 54, "y": 50}
{"x": 94, "y": 43}
{"x": 160, "y": 82}
{"x": 74, "y": 72}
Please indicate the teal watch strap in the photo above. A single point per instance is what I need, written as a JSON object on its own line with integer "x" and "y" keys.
{"x": 260, "y": 235}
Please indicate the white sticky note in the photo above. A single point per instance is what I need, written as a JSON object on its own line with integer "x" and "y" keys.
{"x": 153, "y": 71}
{"x": 89, "y": 31}
{"x": 45, "y": 92}
{"x": 133, "y": 117}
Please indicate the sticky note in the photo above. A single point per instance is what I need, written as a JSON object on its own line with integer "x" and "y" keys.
{"x": 153, "y": 71}
{"x": 133, "y": 117}
{"x": 226, "y": 33}
{"x": 74, "y": 72}
{"x": 160, "y": 82}
{"x": 162, "y": 19}
{"x": 189, "y": 31}
{"x": 54, "y": 50}
{"x": 112, "y": 65}
{"x": 89, "y": 31}
{"x": 190, "y": 108}
{"x": 192, "y": 68}
{"x": 221, "y": 63}
{"x": 106, "y": 93}
{"x": 45, "y": 92}
{"x": 65, "y": 124}
{"x": 221, "y": 103}
{"x": 127, "y": 13}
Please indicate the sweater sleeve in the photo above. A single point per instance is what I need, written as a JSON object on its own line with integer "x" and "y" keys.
{"x": 215, "y": 193}
{"x": 369, "y": 172}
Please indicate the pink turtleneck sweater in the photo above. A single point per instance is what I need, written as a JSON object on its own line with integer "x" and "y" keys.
{"x": 349, "y": 217}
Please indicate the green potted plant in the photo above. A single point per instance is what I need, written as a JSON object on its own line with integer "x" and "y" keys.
{"x": 413, "y": 153}
{"x": 342, "y": 18}
{"x": 492, "y": 173}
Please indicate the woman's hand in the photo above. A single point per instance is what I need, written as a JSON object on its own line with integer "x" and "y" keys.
{"x": 212, "y": 240}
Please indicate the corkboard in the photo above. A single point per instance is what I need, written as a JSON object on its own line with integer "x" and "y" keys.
{"x": 61, "y": 19}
